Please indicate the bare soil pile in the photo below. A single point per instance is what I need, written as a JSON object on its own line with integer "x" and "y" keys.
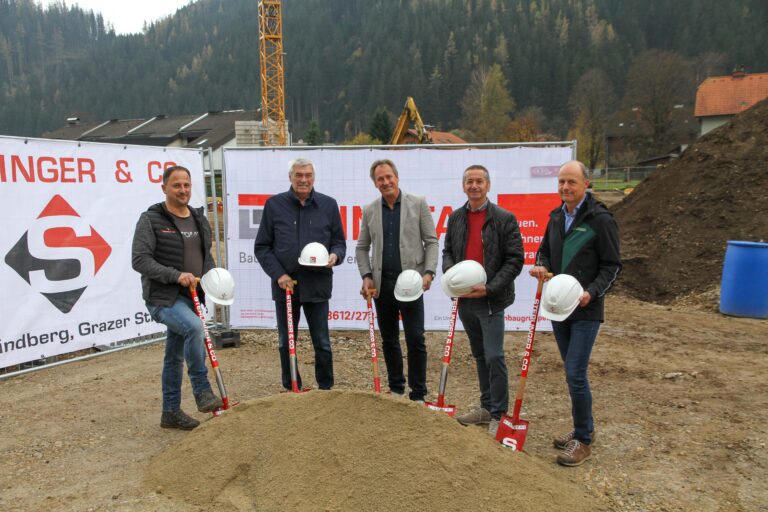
{"x": 676, "y": 224}
{"x": 347, "y": 450}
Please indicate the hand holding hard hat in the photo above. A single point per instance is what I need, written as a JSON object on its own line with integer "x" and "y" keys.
{"x": 460, "y": 279}
{"x": 219, "y": 285}
{"x": 409, "y": 286}
{"x": 561, "y": 296}
{"x": 314, "y": 254}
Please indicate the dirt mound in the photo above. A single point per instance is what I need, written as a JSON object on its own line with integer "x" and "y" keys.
{"x": 676, "y": 224}
{"x": 346, "y": 450}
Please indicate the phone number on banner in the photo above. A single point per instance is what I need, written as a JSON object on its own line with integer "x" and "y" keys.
{"x": 345, "y": 314}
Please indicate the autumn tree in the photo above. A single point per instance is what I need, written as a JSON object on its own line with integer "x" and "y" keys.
{"x": 361, "y": 139}
{"x": 657, "y": 81}
{"x": 526, "y": 127}
{"x": 591, "y": 103}
{"x": 487, "y": 104}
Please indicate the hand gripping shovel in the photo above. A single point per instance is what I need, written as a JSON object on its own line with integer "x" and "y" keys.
{"x": 440, "y": 404}
{"x": 512, "y": 430}
{"x": 374, "y": 356}
{"x": 292, "y": 343}
{"x": 211, "y": 354}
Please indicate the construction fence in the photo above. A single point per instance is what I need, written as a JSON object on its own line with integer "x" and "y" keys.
{"x": 71, "y": 209}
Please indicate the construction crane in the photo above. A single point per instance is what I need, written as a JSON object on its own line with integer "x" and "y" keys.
{"x": 410, "y": 113}
{"x": 272, "y": 73}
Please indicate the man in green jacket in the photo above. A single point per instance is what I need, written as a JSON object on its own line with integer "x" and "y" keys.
{"x": 581, "y": 240}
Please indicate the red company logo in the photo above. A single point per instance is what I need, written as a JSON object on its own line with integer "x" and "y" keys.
{"x": 59, "y": 255}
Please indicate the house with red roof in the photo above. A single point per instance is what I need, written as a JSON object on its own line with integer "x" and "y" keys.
{"x": 719, "y": 98}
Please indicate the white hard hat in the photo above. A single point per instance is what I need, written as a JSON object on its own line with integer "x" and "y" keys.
{"x": 314, "y": 254}
{"x": 409, "y": 286}
{"x": 560, "y": 297}
{"x": 460, "y": 278}
{"x": 218, "y": 284}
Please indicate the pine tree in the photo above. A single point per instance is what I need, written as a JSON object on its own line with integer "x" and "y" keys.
{"x": 313, "y": 136}
{"x": 381, "y": 126}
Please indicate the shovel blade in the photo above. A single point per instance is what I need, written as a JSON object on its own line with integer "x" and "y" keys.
{"x": 221, "y": 410}
{"x": 512, "y": 433}
{"x": 450, "y": 410}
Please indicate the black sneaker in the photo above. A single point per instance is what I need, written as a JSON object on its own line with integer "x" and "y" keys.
{"x": 178, "y": 419}
{"x": 208, "y": 402}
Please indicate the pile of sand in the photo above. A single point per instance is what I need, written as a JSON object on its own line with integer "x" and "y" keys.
{"x": 343, "y": 450}
{"x": 676, "y": 224}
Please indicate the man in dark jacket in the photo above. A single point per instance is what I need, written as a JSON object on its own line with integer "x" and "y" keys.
{"x": 290, "y": 221}
{"x": 581, "y": 240}
{"x": 488, "y": 234}
{"x": 171, "y": 248}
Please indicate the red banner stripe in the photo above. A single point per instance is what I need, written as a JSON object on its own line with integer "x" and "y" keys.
{"x": 252, "y": 199}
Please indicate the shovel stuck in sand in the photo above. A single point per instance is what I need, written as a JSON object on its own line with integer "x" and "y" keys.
{"x": 211, "y": 354}
{"x": 440, "y": 404}
{"x": 512, "y": 430}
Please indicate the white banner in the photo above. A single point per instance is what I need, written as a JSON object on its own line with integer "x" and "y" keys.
{"x": 523, "y": 180}
{"x": 69, "y": 213}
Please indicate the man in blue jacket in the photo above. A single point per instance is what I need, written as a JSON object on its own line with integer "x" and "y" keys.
{"x": 581, "y": 240}
{"x": 290, "y": 221}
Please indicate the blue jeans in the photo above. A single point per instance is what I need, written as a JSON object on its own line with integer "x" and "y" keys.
{"x": 575, "y": 339}
{"x": 184, "y": 341}
{"x": 388, "y": 311}
{"x": 317, "y": 321}
{"x": 485, "y": 331}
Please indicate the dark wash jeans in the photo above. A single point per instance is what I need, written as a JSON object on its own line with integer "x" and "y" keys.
{"x": 575, "y": 339}
{"x": 485, "y": 331}
{"x": 184, "y": 341}
{"x": 388, "y": 311}
{"x": 316, "y": 314}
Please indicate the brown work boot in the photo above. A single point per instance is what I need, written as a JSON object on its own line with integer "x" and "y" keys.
{"x": 178, "y": 419}
{"x": 208, "y": 402}
{"x": 562, "y": 441}
{"x": 477, "y": 416}
{"x": 575, "y": 454}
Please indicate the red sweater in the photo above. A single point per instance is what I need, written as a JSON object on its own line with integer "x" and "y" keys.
{"x": 475, "y": 221}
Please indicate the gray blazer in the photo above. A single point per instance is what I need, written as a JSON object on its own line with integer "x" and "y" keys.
{"x": 418, "y": 240}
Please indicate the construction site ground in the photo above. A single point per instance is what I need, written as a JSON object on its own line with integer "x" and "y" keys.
{"x": 680, "y": 401}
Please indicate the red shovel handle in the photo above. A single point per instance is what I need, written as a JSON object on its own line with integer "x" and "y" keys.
{"x": 374, "y": 355}
{"x": 528, "y": 350}
{"x": 291, "y": 340}
{"x": 209, "y": 347}
{"x": 447, "y": 351}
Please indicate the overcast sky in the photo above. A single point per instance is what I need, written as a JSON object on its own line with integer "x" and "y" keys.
{"x": 128, "y": 16}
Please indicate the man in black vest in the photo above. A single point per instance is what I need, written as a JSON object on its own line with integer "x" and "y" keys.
{"x": 171, "y": 246}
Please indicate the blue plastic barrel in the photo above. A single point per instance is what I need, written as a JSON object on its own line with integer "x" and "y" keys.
{"x": 744, "y": 289}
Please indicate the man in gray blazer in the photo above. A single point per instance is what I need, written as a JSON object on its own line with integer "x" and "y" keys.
{"x": 397, "y": 233}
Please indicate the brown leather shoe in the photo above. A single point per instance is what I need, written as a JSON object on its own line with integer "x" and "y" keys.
{"x": 575, "y": 454}
{"x": 562, "y": 441}
{"x": 478, "y": 416}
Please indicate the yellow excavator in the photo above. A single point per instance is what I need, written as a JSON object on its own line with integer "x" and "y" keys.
{"x": 410, "y": 113}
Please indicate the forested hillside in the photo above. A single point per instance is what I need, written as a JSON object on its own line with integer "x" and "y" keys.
{"x": 347, "y": 58}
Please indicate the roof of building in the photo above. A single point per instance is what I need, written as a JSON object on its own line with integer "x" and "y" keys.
{"x": 163, "y": 125}
{"x": 112, "y": 129}
{"x": 206, "y": 130}
{"x": 730, "y": 95}
{"x": 437, "y": 137}
{"x": 72, "y": 130}
{"x": 216, "y": 128}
